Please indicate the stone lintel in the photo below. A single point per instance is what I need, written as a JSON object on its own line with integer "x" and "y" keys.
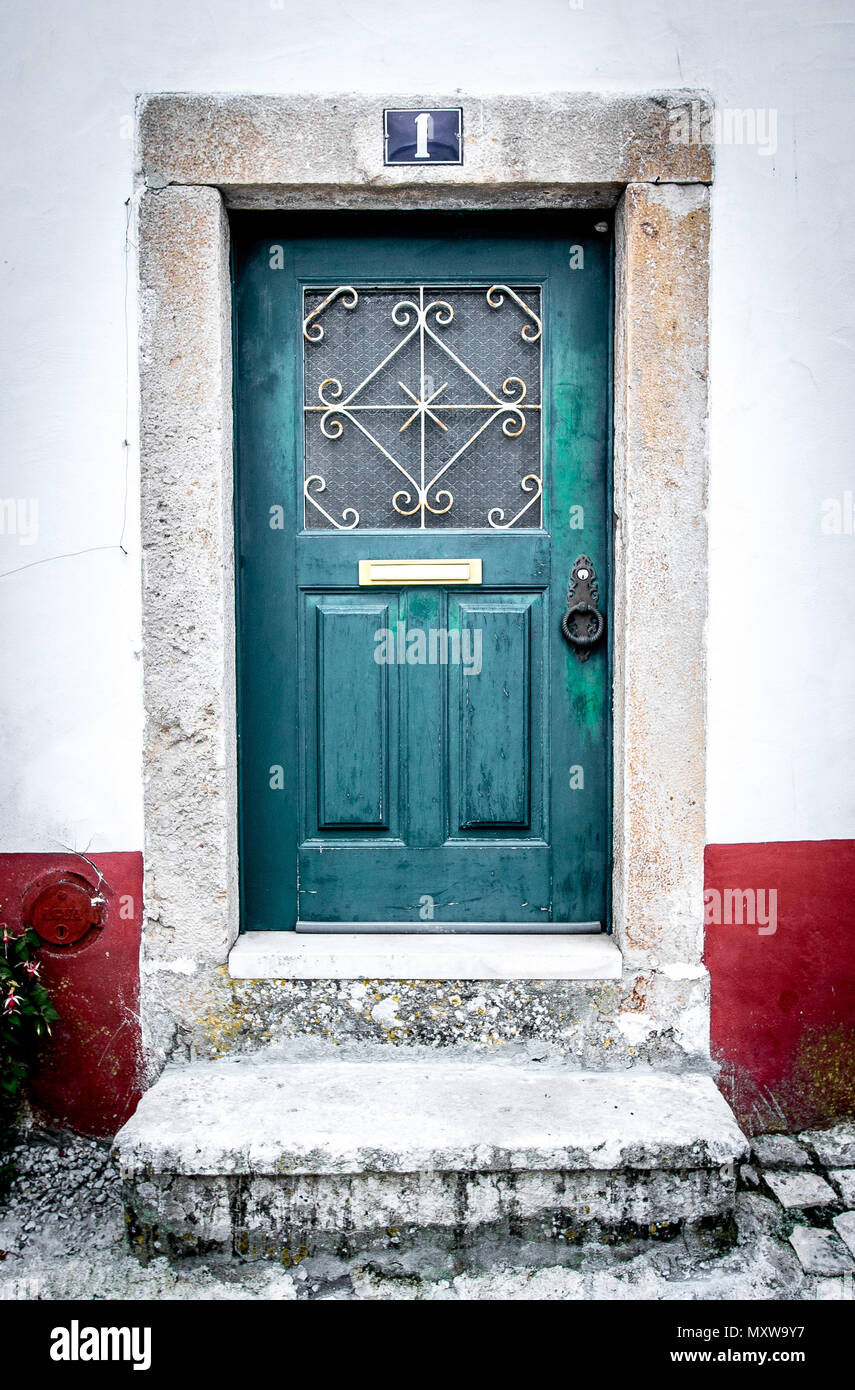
{"x": 336, "y": 141}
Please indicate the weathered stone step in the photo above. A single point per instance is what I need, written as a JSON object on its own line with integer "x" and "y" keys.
{"x": 281, "y": 1158}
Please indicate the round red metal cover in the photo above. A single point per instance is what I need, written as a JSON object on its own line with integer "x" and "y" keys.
{"x": 62, "y": 908}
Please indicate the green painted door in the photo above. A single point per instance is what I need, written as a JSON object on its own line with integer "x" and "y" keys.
{"x": 422, "y": 753}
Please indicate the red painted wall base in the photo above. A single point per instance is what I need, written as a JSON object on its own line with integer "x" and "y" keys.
{"x": 783, "y": 1000}
{"x": 90, "y": 1074}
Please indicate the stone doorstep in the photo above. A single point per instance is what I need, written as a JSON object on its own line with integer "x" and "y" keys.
{"x": 267, "y": 1158}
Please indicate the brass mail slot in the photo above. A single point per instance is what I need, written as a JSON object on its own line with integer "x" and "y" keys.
{"x": 420, "y": 571}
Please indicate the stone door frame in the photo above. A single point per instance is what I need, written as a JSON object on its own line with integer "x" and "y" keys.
{"x": 199, "y": 156}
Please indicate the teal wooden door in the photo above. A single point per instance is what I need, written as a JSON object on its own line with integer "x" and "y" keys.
{"x": 417, "y": 752}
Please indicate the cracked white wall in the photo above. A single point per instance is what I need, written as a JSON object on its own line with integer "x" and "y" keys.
{"x": 781, "y": 601}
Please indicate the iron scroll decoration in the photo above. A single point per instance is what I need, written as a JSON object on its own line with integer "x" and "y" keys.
{"x": 413, "y": 333}
{"x": 583, "y": 624}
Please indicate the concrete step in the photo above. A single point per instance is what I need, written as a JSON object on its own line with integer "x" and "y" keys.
{"x": 280, "y": 1159}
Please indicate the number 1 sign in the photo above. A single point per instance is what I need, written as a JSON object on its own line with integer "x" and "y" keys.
{"x": 423, "y": 136}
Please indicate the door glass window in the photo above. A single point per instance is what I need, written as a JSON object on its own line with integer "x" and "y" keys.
{"x": 422, "y": 407}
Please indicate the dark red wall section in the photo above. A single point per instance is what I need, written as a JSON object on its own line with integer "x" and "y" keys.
{"x": 90, "y": 1074}
{"x": 783, "y": 1005}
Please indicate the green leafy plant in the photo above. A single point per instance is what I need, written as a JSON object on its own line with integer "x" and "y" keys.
{"x": 26, "y": 1014}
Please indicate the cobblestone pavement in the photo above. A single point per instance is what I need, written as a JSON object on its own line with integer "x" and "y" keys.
{"x": 62, "y": 1237}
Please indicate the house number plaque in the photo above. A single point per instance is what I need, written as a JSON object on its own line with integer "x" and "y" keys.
{"x": 419, "y": 136}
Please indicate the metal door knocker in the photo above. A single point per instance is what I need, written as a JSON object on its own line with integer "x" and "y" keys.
{"x": 583, "y": 623}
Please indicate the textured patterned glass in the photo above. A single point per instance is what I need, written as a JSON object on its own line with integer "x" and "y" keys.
{"x": 422, "y": 407}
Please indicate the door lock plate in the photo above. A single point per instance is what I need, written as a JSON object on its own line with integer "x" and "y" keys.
{"x": 583, "y": 623}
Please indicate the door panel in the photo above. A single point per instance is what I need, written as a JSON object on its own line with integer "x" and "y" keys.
{"x": 430, "y": 756}
{"x": 429, "y": 886}
{"x": 496, "y": 725}
{"x": 353, "y": 740}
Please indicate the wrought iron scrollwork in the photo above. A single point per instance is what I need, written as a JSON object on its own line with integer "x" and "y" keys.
{"x": 421, "y": 494}
{"x": 312, "y": 330}
{"x": 530, "y": 331}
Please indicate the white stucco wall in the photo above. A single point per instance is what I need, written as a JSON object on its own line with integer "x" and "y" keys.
{"x": 782, "y": 620}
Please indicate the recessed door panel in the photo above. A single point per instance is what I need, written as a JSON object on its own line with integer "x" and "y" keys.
{"x": 356, "y": 716}
{"x": 495, "y": 715}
